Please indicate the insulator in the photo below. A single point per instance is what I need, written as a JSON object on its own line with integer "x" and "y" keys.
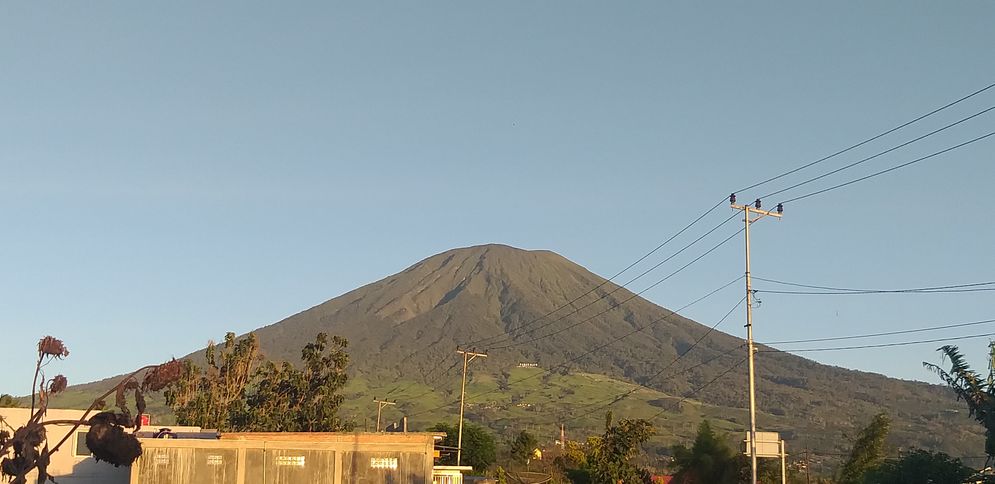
{"x": 780, "y": 208}
{"x": 757, "y": 203}
{"x": 732, "y": 198}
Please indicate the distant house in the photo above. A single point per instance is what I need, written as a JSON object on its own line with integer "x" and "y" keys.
{"x": 528, "y": 365}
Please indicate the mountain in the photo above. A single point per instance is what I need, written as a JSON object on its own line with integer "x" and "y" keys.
{"x": 403, "y": 332}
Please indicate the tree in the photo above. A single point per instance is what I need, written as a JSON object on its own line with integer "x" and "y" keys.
{"x": 8, "y": 401}
{"x": 867, "y": 452}
{"x": 920, "y": 467}
{"x": 709, "y": 460}
{"x": 28, "y": 449}
{"x": 608, "y": 458}
{"x": 977, "y": 393}
{"x": 522, "y": 447}
{"x": 479, "y": 449}
{"x": 215, "y": 397}
{"x": 619, "y": 445}
{"x": 287, "y": 399}
{"x": 238, "y": 391}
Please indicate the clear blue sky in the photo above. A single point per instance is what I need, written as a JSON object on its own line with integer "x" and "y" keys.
{"x": 173, "y": 171}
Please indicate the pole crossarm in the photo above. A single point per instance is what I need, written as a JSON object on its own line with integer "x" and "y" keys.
{"x": 751, "y": 214}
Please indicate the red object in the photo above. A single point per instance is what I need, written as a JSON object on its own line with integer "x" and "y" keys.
{"x": 146, "y": 420}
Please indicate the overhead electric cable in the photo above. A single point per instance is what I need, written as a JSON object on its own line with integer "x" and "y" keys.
{"x": 868, "y": 140}
{"x": 699, "y": 389}
{"x": 880, "y": 345}
{"x": 613, "y": 400}
{"x": 858, "y": 293}
{"x": 707, "y": 212}
{"x": 511, "y": 337}
{"x": 564, "y": 364}
{"x": 876, "y": 155}
{"x": 849, "y": 290}
{"x": 779, "y": 176}
{"x": 882, "y": 172}
{"x": 619, "y": 304}
{"x": 877, "y": 335}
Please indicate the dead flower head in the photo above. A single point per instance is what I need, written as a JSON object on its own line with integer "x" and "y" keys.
{"x": 52, "y": 347}
{"x": 109, "y": 442}
{"x": 58, "y": 384}
{"x": 161, "y": 376}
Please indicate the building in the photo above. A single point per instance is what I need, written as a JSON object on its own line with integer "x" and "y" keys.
{"x": 72, "y": 464}
{"x": 188, "y": 455}
{"x": 286, "y": 457}
{"x": 449, "y": 474}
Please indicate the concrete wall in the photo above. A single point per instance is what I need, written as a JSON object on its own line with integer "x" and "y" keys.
{"x": 278, "y": 458}
{"x": 72, "y": 464}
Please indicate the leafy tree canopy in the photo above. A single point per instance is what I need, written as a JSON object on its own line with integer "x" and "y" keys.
{"x": 867, "y": 452}
{"x": 521, "y": 448}
{"x": 238, "y": 391}
{"x": 479, "y": 448}
{"x": 977, "y": 392}
{"x": 709, "y": 460}
{"x": 608, "y": 458}
{"x": 920, "y": 467}
{"x": 8, "y": 401}
{"x": 288, "y": 399}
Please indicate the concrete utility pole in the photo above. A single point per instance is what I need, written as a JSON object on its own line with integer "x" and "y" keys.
{"x": 468, "y": 356}
{"x": 749, "y": 219}
{"x": 380, "y": 405}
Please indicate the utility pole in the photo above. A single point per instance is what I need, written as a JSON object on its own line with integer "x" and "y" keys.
{"x": 380, "y": 405}
{"x": 468, "y": 356}
{"x": 748, "y": 219}
{"x": 808, "y": 465}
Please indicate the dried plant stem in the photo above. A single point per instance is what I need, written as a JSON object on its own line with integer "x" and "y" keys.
{"x": 34, "y": 382}
{"x": 64, "y": 422}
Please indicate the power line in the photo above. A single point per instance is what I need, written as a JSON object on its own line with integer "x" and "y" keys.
{"x": 509, "y": 338}
{"x": 707, "y": 212}
{"x": 710, "y": 210}
{"x": 635, "y": 295}
{"x": 606, "y": 281}
{"x": 564, "y": 364}
{"x": 888, "y": 170}
{"x": 613, "y": 400}
{"x": 887, "y": 333}
{"x": 768, "y": 180}
{"x": 880, "y": 153}
{"x": 699, "y": 389}
{"x": 425, "y": 377}
{"x": 881, "y": 345}
{"x": 969, "y": 287}
{"x": 851, "y": 293}
{"x": 868, "y": 140}
{"x": 624, "y": 395}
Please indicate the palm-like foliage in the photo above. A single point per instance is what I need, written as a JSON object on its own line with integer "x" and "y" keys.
{"x": 977, "y": 392}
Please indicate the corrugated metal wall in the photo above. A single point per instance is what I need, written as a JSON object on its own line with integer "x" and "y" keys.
{"x": 254, "y": 462}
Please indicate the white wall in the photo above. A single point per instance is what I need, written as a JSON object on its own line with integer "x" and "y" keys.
{"x": 66, "y": 466}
